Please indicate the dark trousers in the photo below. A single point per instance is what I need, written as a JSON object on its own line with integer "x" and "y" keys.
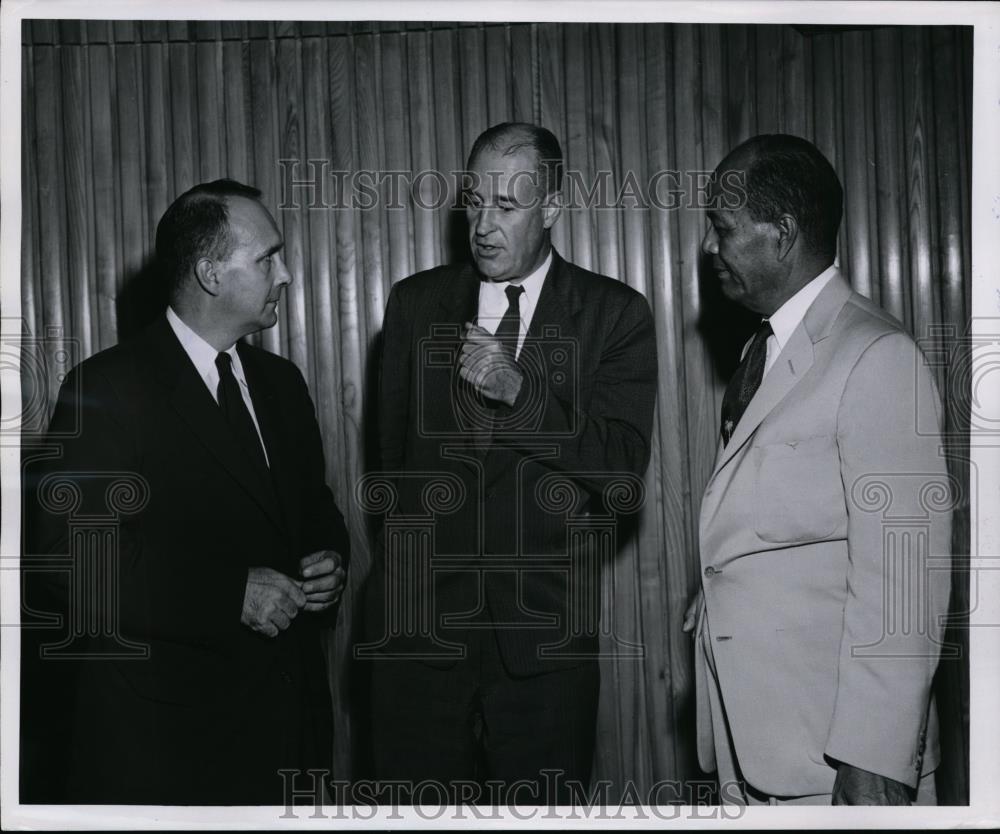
{"x": 473, "y": 733}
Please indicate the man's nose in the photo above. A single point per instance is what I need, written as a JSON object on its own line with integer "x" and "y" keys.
{"x": 485, "y": 221}
{"x": 284, "y": 276}
{"x": 710, "y": 242}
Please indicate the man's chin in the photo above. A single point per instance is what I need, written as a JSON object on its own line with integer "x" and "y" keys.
{"x": 490, "y": 269}
{"x": 730, "y": 289}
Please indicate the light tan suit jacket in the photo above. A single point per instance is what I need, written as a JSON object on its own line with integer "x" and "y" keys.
{"x": 825, "y": 533}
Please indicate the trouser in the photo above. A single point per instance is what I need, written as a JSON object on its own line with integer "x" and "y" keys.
{"x": 474, "y": 733}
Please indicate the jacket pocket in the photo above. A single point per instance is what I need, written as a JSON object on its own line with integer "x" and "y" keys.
{"x": 798, "y": 495}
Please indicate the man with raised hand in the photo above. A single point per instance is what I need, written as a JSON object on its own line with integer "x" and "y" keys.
{"x": 527, "y": 384}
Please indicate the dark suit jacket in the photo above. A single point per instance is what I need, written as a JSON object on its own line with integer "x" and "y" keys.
{"x": 215, "y": 709}
{"x": 523, "y": 491}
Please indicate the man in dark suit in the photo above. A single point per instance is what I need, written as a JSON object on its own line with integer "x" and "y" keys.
{"x": 204, "y": 674}
{"x": 516, "y": 404}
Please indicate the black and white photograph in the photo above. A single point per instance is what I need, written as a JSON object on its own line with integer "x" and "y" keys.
{"x": 465, "y": 415}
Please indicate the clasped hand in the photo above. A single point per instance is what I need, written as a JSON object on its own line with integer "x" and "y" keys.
{"x": 272, "y": 599}
{"x": 485, "y": 365}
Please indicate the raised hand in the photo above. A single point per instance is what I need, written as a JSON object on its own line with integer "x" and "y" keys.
{"x": 487, "y": 367}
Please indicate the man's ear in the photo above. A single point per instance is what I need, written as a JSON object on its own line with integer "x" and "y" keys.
{"x": 552, "y": 206}
{"x": 207, "y": 275}
{"x": 788, "y": 233}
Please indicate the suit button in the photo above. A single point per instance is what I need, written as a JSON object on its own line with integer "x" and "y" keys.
{"x": 491, "y": 494}
{"x": 710, "y": 571}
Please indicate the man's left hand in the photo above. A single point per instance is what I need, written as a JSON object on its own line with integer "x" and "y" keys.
{"x": 485, "y": 365}
{"x": 323, "y": 579}
{"x": 855, "y": 786}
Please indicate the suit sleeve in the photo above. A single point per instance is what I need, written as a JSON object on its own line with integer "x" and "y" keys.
{"x": 612, "y": 433}
{"x": 156, "y": 598}
{"x": 898, "y": 579}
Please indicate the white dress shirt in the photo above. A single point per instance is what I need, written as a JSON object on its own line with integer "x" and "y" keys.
{"x": 202, "y": 354}
{"x": 789, "y": 315}
{"x": 493, "y": 302}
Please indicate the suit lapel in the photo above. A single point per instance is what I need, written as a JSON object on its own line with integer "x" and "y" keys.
{"x": 266, "y": 408}
{"x": 457, "y": 303}
{"x": 551, "y": 326}
{"x": 194, "y": 404}
{"x": 558, "y": 302}
{"x": 792, "y": 364}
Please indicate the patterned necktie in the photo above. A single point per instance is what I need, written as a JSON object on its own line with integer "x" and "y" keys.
{"x": 745, "y": 381}
{"x": 510, "y": 325}
{"x": 235, "y": 410}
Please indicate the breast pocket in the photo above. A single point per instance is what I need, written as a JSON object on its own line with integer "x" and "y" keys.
{"x": 799, "y": 495}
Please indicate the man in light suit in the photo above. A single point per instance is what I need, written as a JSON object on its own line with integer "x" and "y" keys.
{"x": 521, "y": 380}
{"x": 202, "y": 454}
{"x": 819, "y": 624}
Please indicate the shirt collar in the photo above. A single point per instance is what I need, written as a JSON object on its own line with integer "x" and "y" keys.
{"x": 201, "y": 353}
{"x": 789, "y": 315}
{"x": 532, "y": 285}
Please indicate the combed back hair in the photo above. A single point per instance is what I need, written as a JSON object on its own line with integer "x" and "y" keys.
{"x": 197, "y": 226}
{"x": 789, "y": 175}
{"x": 510, "y": 137}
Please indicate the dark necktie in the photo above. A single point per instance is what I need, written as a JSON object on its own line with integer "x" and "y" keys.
{"x": 510, "y": 325}
{"x": 507, "y": 332}
{"x": 237, "y": 414}
{"x": 745, "y": 381}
